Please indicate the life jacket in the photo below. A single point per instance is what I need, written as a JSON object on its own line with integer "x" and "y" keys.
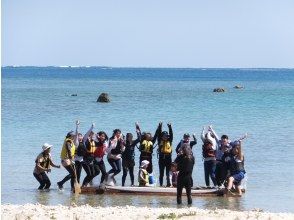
{"x": 64, "y": 154}
{"x": 145, "y": 177}
{"x": 236, "y": 165}
{"x": 91, "y": 148}
{"x": 165, "y": 147}
{"x": 100, "y": 150}
{"x": 208, "y": 151}
{"x": 117, "y": 149}
{"x": 146, "y": 146}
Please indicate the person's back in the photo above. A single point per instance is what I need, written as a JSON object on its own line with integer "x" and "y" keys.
{"x": 185, "y": 163}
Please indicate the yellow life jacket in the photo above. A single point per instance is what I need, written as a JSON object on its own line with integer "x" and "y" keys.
{"x": 92, "y": 147}
{"x": 165, "y": 147}
{"x": 64, "y": 154}
{"x": 145, "y": 180}
{"x": 146, "y": 146}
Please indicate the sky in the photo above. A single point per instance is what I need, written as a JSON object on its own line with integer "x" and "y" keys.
{"x": 153, "y": 33}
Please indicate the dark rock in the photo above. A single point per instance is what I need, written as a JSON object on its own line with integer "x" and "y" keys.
{"x": 239, "y": 87}
{"x": 219, "y": 90}
{"x": 74, "y": 94}
{"x": 103, "y": 97}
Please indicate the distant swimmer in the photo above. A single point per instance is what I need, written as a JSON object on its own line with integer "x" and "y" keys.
{"x": 43, "y": 165}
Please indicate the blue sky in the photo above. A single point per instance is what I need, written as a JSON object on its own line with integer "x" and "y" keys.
{"x": 153, "y": 33}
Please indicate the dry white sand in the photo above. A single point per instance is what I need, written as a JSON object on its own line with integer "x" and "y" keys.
{"x": 30, "y": 211}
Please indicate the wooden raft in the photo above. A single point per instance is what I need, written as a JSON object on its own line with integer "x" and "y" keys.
{"x": 136, "y": 190}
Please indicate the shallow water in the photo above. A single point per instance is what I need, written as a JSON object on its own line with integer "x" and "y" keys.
{"x": 37, "y": 107}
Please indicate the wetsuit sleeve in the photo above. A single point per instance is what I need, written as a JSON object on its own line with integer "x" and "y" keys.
{"x": 76, "y": 140}
{"x": 171, "y": 135}
{"x": 178, "y": 147}
{"x": 157, "y": 134}
{"x": 138, "y": 138}
{"x": 192, "y": 143}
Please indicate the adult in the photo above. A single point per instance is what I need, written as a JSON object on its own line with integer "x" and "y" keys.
{"x": 43, "y": 164}
{"x": 117, "y": 147}
{"x": 186, "y": 141}
{"x": 185, "y": 163}
{"x": 67, "y": 155}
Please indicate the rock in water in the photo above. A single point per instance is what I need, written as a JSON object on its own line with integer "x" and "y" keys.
{"x": 239, "y": 87}
{"x": 74, "y": 94}
{"x": 103, "y": 97}
{"x": 219, "y": 90}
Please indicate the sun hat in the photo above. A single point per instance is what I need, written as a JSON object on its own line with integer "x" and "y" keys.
{"x": 46, "y": 146}
{"x": 144, "y": 163}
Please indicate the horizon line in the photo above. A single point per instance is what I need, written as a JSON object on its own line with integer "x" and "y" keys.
{"x": 139, "y": 67}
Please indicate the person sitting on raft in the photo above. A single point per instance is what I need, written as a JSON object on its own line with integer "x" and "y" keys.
{"x": 223, "y": 147}
{"x": 90, "y": 168}
{"x": 173, "y": 174}
{"x": 67, "y": 155}
{"x": 165, "y": 152}
{"x": 146, "y": 148}
{"x": 143, "y": 176}
{"x": 186, "y": 142}
{"x": 101, "y": 150}
{"x": 80, "y": 153}
{"x": 237, "y": 170}
{"x": 43, "y": 164}
{"x": 117, "y": 146}
{"x": 128, "y": 156}
{"x": 185, "y": 163}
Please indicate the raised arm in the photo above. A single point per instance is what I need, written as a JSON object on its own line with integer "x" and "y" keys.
{"x": 203, "y": 134}
{"x": 85, "y": 138}
{"x": 194, "y": 142}
{"x": 238, "y": 141}
{"x": 170, "y": 131}
{"x": 240, "y": 153}
{"x": 213, "y": 132}
{"x": 157, "y": 134}
{"x": 76, "y": 140}
{"x": 138, "y": 131}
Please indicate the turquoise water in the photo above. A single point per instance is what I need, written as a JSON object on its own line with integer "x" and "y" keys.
{"x": 37, "y": 107}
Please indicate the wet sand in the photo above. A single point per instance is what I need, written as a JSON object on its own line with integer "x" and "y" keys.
{"x": 31, "y": 211}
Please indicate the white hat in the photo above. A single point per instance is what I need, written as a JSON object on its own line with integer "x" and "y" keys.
{"x": 46, "y": 146}
{"x": 144, "y": 163}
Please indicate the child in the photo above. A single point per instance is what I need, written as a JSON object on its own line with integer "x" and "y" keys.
{"x": 43, "y": 163}
{"x": 237, "y": 171}
{"x": 173, "y": 174}
{"x": 143, "y": 176}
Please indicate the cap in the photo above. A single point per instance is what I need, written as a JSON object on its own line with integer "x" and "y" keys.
{"x": 144, "y": 163}
{"x": 70, "y": 134}
{"x": 186, "y": 135}
{"x": 46, "y": 146}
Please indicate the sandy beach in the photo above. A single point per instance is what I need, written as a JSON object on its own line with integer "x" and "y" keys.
{"x": 31, "y": 211}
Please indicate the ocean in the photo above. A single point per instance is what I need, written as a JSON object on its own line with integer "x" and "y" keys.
{"x": 37, "y": 107}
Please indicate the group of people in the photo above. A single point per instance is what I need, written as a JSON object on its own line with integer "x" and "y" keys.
{"x": 223, "y": 159}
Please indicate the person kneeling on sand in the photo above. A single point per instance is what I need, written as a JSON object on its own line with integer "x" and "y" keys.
{"x": 43, "y": 164}
{"x": 237, "y": 171}
{"x": 143, "y": 176}
{"x": 185, "y": 163}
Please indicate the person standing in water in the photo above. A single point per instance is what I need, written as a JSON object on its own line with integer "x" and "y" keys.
{"x": 128, "y": 156}
{"x": 165, "y": 153}
{"x": 185, "y": 163}
{"x": 80, "y": 153}
{"x": 117, "y": 147}
{"x": 67, "y": 155}
{"x": 43, "y": 165}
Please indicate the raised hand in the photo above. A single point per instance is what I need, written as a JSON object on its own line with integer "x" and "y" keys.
{"x": 77, "y": 122}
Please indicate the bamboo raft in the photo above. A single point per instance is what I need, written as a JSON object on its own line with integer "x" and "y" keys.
{"x": 160, "y": 191}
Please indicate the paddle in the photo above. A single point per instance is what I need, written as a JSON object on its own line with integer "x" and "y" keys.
{"x": 77, "y": 187}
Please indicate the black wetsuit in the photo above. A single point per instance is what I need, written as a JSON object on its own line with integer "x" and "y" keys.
{"x": 128, "y": 160}
{"x": 81, "y": 152}
{"x": 185, "y": 166}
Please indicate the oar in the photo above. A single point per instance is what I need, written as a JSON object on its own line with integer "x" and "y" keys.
{"x": 77, "y": 187}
